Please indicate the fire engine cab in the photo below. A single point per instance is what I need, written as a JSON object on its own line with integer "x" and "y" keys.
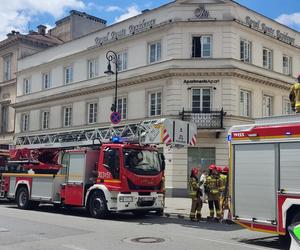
{"x": 114, "y": 169}
{"x": 265, "y": 174}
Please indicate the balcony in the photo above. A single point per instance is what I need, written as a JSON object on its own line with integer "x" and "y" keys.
{"x": 210, "y": 120}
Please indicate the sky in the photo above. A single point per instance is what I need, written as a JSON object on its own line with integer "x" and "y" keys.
{"x": 25, "y": 15}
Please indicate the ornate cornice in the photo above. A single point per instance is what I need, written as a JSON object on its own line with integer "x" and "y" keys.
{"x": 159, "y": 75}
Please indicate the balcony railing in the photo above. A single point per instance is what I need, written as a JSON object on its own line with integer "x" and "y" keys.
{"x": 204, "y": 120}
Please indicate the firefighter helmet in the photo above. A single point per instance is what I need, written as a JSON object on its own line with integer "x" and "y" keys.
{"x": 225, "y": 170}
{"x": 212, "y": 167}
{"x": 219, "y": 169}
{"x": 195, "y": 171}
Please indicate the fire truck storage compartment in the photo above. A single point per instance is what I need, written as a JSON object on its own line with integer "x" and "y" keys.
{"x": 45, "y": 188}
{"x": 255, "y": 181}
{"x": 80, "y": 164}
{"x": 290, "y": 166}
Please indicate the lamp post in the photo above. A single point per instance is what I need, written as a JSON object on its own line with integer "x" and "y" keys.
{"x": 111, "y": 56}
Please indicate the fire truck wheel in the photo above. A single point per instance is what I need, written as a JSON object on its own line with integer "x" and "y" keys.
{"x": 285, "y": 240}
{"x": 159, "y": 212}
{"x": 22, "y": 199}
{"x": 97, "y": 206}
{"x": 140, "y": 213}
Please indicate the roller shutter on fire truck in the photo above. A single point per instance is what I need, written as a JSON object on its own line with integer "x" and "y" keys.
{"x": 289, "y": 166}
{"x": 255, "y": 181}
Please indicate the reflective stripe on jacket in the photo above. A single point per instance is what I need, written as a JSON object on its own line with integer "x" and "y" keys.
{"x": 194, "y": 187}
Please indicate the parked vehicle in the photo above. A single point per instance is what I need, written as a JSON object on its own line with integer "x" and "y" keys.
{"x": 116, "y": 169}
{"x": 265, "y": 174}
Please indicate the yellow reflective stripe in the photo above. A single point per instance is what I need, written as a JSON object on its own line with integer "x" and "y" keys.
{"x": 112, "y": 181}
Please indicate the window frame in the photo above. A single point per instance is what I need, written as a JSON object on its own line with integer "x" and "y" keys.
{"x": 202, "y": 36}
{"x": 70, "y": 68}
{"x": 268, "y": 63}
{"x": 123, "y": 111}
{"x": 158, "y": 56}
{"x": 95, "y": 71}
{"x": 4, "y": 118}
{"x": 286, "y": 103}
{"x": 25, "y": 125}
{"x": 26, "y": 86}
{"x": 7, "y": 76}
{"x": 47, "y": 120}
{"x": 122, "y": 58}
{"x": 287, "y": 72}
{"x": 94, "y": 114}
{"x": 246, "y": 51}
{"x": 156, "y": 104}
{"x": 70, "y": 119}
{"x": 247, "y": 109}
{"x": 271, "y": 105}
{"x": 49, "y": 80}
{"x": 201, "y": 101}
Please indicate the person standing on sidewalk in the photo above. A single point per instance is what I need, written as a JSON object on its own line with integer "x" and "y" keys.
{"x": 195, "y": 193}
{"x": 213, "y": 189}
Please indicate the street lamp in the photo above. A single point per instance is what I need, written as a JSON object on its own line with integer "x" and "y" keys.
{"x": 111, "y": 56}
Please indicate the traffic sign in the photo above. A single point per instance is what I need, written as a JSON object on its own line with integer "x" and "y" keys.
{"x": 115, "y": 117}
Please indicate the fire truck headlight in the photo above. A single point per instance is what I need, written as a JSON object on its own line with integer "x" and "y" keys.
{"x": 126, "y": 199}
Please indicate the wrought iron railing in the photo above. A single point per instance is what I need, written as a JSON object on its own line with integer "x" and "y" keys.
{"x": 204, "y": 120}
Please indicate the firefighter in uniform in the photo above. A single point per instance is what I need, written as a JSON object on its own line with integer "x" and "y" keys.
{"x": 195, "y": 193}
{"x": 295, "y": 96}
{"x": 213, "y": 187}
{"x": 224, "y": 177}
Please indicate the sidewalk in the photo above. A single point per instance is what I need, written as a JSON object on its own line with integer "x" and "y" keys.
{"x": 180, "y": 208}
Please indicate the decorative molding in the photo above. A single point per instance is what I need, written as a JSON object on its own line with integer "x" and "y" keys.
{"x": 158, "y": 75}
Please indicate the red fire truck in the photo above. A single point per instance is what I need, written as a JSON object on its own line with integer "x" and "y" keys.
{"x": 265, "y": 174}
{"x": 85, "y": 169}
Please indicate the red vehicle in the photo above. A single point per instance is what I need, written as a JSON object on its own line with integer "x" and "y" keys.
{"x": 114, "y": 176}
{"x": 265, "y": 174}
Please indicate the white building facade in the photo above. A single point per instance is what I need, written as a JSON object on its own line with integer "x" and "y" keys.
{"x": 214, "y": 62}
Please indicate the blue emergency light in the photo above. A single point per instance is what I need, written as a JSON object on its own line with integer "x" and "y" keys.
{"x": 229, "y": 138}
{"x": 116, "y": 139}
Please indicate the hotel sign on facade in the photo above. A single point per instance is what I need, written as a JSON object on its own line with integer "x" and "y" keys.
{"x": 258, "y": 25}
{"x": 131, "y": 30}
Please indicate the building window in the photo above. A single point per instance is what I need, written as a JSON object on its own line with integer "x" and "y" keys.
{"x": 202, "y": 46}
{"x": 245, "y": 103}
{"x": 246, "y": 51}
{"x": 45, "y": 120}
{"x": 122, "y": 60}
{"x": 267, "y": 105}
{"x": 25, "y": 122}
{"x": 287, "y": 65}
{"x": 4, "y": 119}
{"x": 155, "y": 103}
{"x": 122, "y": 107}
{"x": 201, "y": 100}
{"x": 67, "y": 116}
{"x": 68, "y": 74}
{"x": 154, "y": 52}
{"x": 287, "y": 109}
{"x": 267, "y": 58}
{"x": 7, "y": 68}
{"x": 92, "y": 112}
{"x": 26, "y": 86}
{"x": 46, "y": 80}
{"x": 92, "y": 68}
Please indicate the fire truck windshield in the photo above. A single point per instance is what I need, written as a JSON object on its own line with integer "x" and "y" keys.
{"x": 143, "y": 162}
